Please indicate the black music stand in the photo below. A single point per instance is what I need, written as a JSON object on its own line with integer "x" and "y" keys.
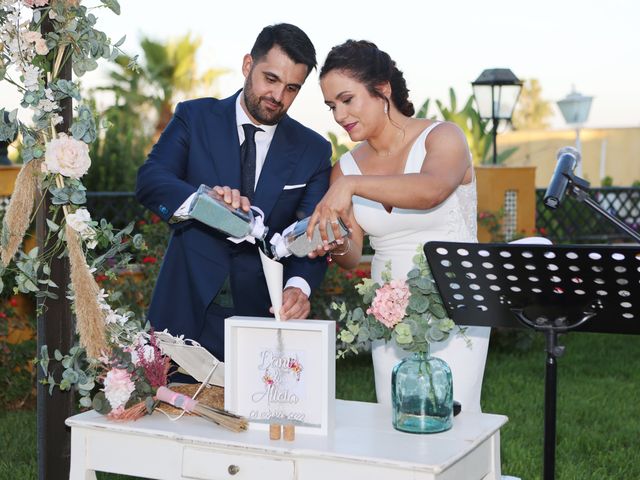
{"x": 551, "y": 289}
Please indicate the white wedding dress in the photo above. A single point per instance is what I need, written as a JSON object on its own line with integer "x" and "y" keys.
{"x": 395, "y": 237}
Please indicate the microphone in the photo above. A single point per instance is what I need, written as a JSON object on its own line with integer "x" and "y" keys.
{"x": 568, "y": 158}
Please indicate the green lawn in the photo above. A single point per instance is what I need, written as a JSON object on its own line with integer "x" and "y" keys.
{"x": 598, "y": 409}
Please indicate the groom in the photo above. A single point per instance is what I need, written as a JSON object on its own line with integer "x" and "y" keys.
{"x": 205, "y": 278}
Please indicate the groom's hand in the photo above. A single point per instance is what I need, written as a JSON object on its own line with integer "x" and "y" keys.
{"x": 231, "y": 196}
{"x": 295, "y": 304}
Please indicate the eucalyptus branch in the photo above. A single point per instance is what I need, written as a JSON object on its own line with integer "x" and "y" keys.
{"x": 13, "y": 82}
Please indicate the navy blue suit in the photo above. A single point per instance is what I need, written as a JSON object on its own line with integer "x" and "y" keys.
{"x": 201, "y": 145}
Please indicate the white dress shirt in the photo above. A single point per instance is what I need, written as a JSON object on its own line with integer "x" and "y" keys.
{"x": 263, "y": 141}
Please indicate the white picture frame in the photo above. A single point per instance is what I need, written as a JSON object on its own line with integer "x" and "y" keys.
{"x": 282, "y": 372}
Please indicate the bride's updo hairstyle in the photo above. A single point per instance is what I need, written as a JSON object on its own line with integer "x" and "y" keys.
{"x": 366, "y": 63}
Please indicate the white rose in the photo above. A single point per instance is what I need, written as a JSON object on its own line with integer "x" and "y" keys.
{"x": 67, "y": 156}
{"x": 79, "y": 220}
{"x": 31, "y": 77}
{"x": 91, "y": 243}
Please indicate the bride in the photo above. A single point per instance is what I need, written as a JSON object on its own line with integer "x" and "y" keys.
{"x": 407, "y": 182}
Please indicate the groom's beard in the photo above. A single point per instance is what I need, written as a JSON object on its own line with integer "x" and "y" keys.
{"x": 257, "y": 110}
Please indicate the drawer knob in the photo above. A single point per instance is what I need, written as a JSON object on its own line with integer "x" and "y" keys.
{"x": 233, "y": 469}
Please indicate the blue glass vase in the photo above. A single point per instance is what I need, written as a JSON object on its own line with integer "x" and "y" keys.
{"x": 422, "y": 394}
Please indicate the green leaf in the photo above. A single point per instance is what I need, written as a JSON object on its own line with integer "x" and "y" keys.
{"x": 70, "y": 375}
{"x": 88, "y": 386}
{"x": 403, "y": 334}
{"x": 100, "y": 403}
{"x": 52, "y": 225}
{"x": 424, "y": 109}
{"x": 434, "y": 334}
{"x": 150, "y": 404}
{"x": 438, "y": 310}
{"x": 353, "y": 328}
{"x": 120, "y": 42}
{"x": 418, "y": 303}
{"x": 30, "y": 286}
{"x": 424, "y": 283}
{"x": 44, "y": 359}
{"x": 57, "y": 355}
{"x": 346, "y": 336}
{"x": 112, "y": 5}
{"x": 78, "y": 198}
{"x": 413, "y": 273}
{"x": 358, "y": 314}
{"x": 85, "y": 402}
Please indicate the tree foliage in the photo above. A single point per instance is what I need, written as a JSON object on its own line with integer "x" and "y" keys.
{"x": 532, "y": 111}
{"x": 476, "y": 130}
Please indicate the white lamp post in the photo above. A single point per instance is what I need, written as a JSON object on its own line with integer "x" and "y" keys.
{"x": 496, "y": 91}
{"x": 575, "y": 110}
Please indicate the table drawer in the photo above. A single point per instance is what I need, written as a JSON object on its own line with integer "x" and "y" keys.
{"x": 203, "y": 464}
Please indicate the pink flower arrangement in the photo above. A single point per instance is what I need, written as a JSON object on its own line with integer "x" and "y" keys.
{"x": 407, "y": 311}
{"x": 390, "y": 303}
{"x": 133, "y": 375}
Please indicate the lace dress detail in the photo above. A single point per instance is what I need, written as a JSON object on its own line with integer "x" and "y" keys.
{"x": 395, "y": 237}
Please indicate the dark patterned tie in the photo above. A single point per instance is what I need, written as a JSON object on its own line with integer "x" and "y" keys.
{"x": 248, "y": 161}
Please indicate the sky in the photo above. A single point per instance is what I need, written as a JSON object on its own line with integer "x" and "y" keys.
{"x": 592, "y": 46}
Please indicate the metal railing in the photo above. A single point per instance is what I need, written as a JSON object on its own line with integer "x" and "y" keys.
{"x": 119, "y": 208}
{"x": 572, "y": 222}
{"x": 575, "y": 222}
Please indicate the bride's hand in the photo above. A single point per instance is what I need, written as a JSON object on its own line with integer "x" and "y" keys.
{"x": 324, "y": 249}
{"x": 336, "y": 203}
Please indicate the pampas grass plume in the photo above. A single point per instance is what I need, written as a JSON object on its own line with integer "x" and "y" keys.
{"x": 90, "y": 317}
{"x": 17, "y": 218}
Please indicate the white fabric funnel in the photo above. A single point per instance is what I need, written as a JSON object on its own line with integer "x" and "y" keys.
{"x": 273, "y": 273}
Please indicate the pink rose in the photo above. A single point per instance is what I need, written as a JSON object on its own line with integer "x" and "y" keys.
{"x": 390, "y": 303}
{"x": 41, "y": 47}
{"x": 118, "y": 387}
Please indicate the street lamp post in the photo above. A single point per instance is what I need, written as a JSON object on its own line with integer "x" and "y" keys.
{"x": 575, "y": 109}
{"x": 496, "y": 92}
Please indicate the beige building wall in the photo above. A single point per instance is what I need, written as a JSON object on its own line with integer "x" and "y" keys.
{"x": 613, "y": 152}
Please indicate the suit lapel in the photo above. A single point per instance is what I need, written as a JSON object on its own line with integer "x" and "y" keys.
{"x": 223, "y": 143}
{"x": 278, "y": 167}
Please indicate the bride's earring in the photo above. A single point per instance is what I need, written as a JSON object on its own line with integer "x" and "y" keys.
{"x": 386, "y": 108}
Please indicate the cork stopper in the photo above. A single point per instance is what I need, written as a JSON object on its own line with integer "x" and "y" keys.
{"x": 275, "y": 431}
{"x": 289, "y": 432}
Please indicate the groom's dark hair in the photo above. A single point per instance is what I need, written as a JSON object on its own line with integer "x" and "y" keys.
{"x": 291, "y": 39}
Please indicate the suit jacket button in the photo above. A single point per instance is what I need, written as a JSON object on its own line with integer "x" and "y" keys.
{"x": 164, "y": 210}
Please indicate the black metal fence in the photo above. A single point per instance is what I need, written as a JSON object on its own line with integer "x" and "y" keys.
{"x": 120, "y": 208}
{"x": 575, "y": 222}
{"x": 572, "y": 222}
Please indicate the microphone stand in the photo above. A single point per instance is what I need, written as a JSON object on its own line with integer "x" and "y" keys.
{"x": 578, "y": 188}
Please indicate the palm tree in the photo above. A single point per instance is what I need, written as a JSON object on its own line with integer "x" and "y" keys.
{"x": 469, "y": 120}
{"x": 171, "y": 69}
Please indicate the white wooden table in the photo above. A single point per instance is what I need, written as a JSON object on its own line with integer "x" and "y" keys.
{"x": 363, "y": 446}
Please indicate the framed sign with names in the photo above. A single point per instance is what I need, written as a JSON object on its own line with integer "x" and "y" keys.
{"x": 281, "y": 372}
